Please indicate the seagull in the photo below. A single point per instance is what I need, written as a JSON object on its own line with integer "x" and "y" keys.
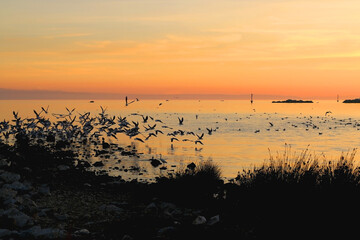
{"x": 145, "y": 118}
{"x": 172, "y": 139}
{"x": 328, "y": 112}
{"x": 181, "y": 120}
{"x": 271, "y": 124}
{"x": 158, "y": 131}
{"x": 45, "y": 110}
{"x": 200, "y": 137}
{"x": 139, "y": 139}
{"x": 162, "y": 160}
{"x": 198, "y": 141}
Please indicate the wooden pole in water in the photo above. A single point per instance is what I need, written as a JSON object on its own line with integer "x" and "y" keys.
{"x": 252, "y": 100}
{"x": 337, "y": 99}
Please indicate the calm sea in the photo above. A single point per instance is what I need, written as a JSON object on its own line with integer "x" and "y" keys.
{"x": 243, "y": 132}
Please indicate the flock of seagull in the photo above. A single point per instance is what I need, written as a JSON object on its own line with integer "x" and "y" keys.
{"x": 71, "y": 128}
{"x": 85, "y": 128}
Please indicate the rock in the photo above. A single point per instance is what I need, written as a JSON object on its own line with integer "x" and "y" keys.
{"x": 199, "y": 220}
{"x": 19, "y": 218}
{"x": 6, "y": 193}
{"x": 46, "y": 233}
{"x": 127, "y": 237}
{"x": 63, "y": 167}
{"x": 44, "y": 189}
{"x": 5, "y": 233}
{"x": 112, "y": 209}
{"x": 18, "y": 186}
{"x": 151, "y": 208}
{"x": 61, "y": 217}
{"x": 82, "y": 232}
{"x": 214, "y": 220}
{"x": 191, "y": 166}
{"x": 98, "y": 164}
{"x": 4, "y": 163}
{"x": 166, "y": 231}
{"x": 9, "y": 177}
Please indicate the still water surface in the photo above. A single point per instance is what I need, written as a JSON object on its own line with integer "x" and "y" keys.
{"x": 243, "y": 132}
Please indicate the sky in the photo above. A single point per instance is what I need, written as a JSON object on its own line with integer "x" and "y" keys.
{"x": 232, "y": 47}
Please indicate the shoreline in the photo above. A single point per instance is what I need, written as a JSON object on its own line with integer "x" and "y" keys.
{"x": 45, "y": 196}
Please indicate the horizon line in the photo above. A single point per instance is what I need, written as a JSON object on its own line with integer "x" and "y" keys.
{"x": 16, "y": 94}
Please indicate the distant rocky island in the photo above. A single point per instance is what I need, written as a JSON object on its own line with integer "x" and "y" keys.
{"x": 293, "y": 101}
{"x": 356, "y": 100}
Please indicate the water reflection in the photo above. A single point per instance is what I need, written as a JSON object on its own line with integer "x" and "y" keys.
{"x": 240, "y": 135}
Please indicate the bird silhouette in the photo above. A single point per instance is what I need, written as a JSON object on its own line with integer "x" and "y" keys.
{"x": 198, "y": 141}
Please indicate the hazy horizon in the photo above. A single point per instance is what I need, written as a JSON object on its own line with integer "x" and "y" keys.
{"x": 15, "y": 94}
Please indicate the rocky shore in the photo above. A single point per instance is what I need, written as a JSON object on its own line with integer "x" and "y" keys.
{"x": 52, "y": 199}
{"x": 49, "y": 194}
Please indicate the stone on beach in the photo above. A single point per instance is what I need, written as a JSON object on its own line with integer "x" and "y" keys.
{"x": 199, "y": 220}
{"x": 9, "y": 177}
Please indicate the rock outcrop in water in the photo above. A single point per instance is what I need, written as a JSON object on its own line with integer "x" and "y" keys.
{"x": 356, "y": 100}
{"x": 293, "y": 101}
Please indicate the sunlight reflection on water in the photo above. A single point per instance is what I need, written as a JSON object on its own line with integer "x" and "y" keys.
{"x": 243, "y": 132}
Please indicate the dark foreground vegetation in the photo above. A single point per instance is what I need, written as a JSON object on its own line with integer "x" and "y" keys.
{"x": 48, "y": 194}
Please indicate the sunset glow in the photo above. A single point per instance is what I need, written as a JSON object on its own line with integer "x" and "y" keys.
{"x": 273, "y": 47}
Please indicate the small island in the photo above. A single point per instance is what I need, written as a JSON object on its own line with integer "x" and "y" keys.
{"x": 356, "y": 100}
{"x": 293, "y": 101}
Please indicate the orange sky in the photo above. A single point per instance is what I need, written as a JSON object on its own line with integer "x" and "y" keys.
{"x": 274, "y": 47}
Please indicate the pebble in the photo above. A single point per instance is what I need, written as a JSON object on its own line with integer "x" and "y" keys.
{"x": 151, "y": 208}
{"x": 45, "y": 233}
{"x": 214, "y": 220}
{"x": 44, "y": 189}
{"x": 19, "y": 218}
{"x": 18, "y": 186}
{"x": 110, "y": 209}
{"x": 199, "y": 220}
{"x": 5, "y": 233}
{"x": 166, "y": 231}
{"x": 9, "y": 177}
{"x": 83, "y": 231}
{"x": 63, "y": 167}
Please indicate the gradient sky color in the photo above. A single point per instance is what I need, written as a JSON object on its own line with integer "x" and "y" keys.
{"x": 272, "y": 47}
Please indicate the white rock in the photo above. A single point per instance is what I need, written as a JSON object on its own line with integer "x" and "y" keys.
{"x": 4, "y": 162}
{"x": 214, "y": 220}
{"x": 83, "y": 231}
{"x": 199, "y": 220}
{"x": 9, "y": 177}
{"x": 63, "y": 167}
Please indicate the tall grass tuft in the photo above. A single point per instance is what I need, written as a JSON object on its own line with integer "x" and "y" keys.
{"x": 303, "y": 170}
{"x": 297, "y": 193}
